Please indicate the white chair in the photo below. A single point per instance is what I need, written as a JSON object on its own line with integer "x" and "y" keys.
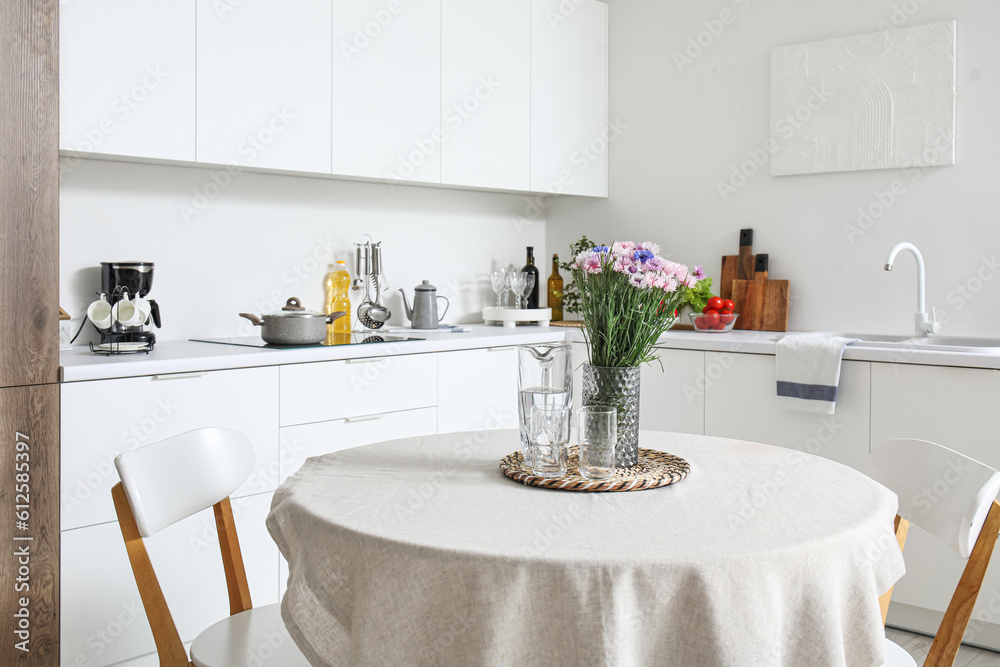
{"x": 169, "y": 481}
{"x": 952, "y": 497}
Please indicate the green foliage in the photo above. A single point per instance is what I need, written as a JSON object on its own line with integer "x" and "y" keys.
{"x": 623, "y": 322}
{"x": 571, "y": 293}
{"x": 699, "y": 295}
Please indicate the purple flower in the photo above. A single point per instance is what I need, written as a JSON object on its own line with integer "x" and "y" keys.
{"x": 600, "y": 249}
{"x": 699, "y": 274}
{"x": 643, "y": 255}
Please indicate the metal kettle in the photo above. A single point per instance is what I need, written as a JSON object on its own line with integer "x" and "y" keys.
{"x": 424, "y": 314}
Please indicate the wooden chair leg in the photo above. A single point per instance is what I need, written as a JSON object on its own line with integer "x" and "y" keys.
{"x": 232, "y": 558}
{"x": 956, "y": 617}
{"x": 902, "y": 527}
{"x": 168, "y": 641}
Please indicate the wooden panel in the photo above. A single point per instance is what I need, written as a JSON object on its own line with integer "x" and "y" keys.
{"x": 29, "y": 193}
{"x": 29, "y": 424}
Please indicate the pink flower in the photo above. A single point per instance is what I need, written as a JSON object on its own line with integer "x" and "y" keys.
{"x": 671, "y": 285}
{"x": 591, "y": 264}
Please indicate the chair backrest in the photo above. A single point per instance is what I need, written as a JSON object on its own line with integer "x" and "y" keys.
{"x": 946, "y": 493}
{"x": 172, "y": 479}
{"x": 168, "y": 481}
{"x": 953, "y": 497}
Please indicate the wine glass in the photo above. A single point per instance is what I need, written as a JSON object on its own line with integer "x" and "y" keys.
{"x": 499, "y": 279}
{"x": 529, "y": 284}
{"x": 515, "y": 281}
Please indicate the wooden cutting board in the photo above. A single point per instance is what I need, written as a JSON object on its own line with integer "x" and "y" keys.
{"x": 761, "y": 303}
{"x": 737, "y": 267}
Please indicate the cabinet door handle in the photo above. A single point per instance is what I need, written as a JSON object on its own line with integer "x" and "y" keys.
{"x": 366, "y": 360}
{"x": 366, "y": 418}
{"x": 178, "y": 376}
{"x": 499, "y": 349}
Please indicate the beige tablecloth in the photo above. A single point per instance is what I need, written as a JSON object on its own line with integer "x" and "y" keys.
{"x": 419, "y": 552}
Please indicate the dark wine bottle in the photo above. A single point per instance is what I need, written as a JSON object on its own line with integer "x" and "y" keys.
{"x": 556, "y": 291}
{"x": 530, "y": 269}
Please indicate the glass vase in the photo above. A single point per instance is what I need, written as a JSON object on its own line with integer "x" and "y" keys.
{"x": 617, "y": 388}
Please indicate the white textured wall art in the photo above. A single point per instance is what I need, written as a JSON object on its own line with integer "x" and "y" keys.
{"x": 876, "y": 101}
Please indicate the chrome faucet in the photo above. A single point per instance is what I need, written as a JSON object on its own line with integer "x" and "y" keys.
{"x": 925, "y": 325}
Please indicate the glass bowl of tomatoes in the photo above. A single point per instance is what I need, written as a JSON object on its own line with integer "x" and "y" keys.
{"x": 718, "y": 316}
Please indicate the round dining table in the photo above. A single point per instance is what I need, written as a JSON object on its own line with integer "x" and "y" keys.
{"x": 421, "y": 552}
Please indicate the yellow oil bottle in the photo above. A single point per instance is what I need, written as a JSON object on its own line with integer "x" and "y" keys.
{"x": 336, "y": 286}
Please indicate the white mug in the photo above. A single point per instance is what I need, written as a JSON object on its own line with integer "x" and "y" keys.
{"x": 99, "y": 312}
{"x": 126, "y": 313}
{"x": 144, "y": 308}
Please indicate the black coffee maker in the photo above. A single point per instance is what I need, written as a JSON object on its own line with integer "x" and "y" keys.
{"x": 133, "y": 279}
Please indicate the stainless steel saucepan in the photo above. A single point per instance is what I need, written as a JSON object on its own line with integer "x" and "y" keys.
{"x": 294, "y": 325}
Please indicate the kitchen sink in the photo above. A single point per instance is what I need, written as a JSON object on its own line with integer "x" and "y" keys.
{"x": 943, "y": 343}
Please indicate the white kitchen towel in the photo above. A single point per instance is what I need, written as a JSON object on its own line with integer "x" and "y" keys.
{"x": 808, "y": 371}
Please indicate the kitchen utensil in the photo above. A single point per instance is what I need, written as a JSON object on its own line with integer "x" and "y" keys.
{"x": 125, "y": 313}
{"x": 549, "y": 436}
{"x": 499, "y": 281}
{"x": 515, "y": 282}
{"x": 294, "y": 325}
{"x": 378, "y": 313}
{"x": 368, "y": 269}
{"x": 763, "y": 303}
{"x": 544, "y": 377}
{"x": 598, "y": 435}
{"x": 728, "y": 327}
{"x": 99, "y": 312}
{"x": 424, "y": 314}
{"x": 129, "y": 281}
{"x": 737, "y": 267}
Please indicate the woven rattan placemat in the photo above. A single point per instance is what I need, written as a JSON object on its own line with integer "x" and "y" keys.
{"x": 655, "y": 469}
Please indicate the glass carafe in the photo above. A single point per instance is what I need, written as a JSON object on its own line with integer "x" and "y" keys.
{"x": 545, "y": 377}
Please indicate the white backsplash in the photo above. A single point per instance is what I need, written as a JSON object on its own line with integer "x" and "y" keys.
{"x": 246, "y": 245}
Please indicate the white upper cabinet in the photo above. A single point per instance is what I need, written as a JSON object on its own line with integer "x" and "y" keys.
{"x": 387, "y": 89}
{"x": 569, "y": 97}
{"x": 264, "y": 84}
{"x": 127, "y": 78}
{"x": 486, "y": 93}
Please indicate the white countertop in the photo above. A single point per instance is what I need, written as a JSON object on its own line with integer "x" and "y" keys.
{"x": 81, "y": 364}
{"x": 183, "y": 356}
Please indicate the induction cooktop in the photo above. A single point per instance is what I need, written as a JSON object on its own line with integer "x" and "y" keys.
{"x": 331, "y": 340}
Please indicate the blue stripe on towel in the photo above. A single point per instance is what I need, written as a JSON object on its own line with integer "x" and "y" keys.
{"x": 809, "y": 392}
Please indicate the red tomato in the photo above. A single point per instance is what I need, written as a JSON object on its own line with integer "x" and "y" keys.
{"x": 711, "y": 318}
{"x": 699, "y": 323}
{"x": 715, "y": 303}
{"x": 727, "y": 304}
{"x": 725, "y": 317}
{"x": 720, "y": 326}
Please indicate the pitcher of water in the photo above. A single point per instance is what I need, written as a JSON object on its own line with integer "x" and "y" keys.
{"x": 545, "y": 377}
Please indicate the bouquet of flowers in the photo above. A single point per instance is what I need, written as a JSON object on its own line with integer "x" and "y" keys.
{"x": 629, "y": 295}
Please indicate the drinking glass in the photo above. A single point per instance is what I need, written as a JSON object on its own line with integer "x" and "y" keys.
{"x": 515, "y": 281}
{"x": 544, "y": 377}
{"x": 529, "y": 284}
{"x": 549, "y": 436}
{"x": 598, "y": 435}
{"x": 499, "y": 279}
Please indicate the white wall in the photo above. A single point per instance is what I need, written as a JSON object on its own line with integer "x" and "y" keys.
{"x": 687, "y": 129}
{"x": 266, "y": 237}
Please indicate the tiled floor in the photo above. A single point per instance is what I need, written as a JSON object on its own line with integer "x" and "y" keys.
{"x": 918, "y": 645}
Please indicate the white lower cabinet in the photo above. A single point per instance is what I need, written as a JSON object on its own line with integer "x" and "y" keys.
{"x": 103, "y": 418}
{"x": 477, "y": 390}
{"x": 301, "y": 442}
{"x": 952, "y": 407}
{"x": 671, "y": 396}
{"x": 102, "y": 620}
{"x": 741, "y": 403}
